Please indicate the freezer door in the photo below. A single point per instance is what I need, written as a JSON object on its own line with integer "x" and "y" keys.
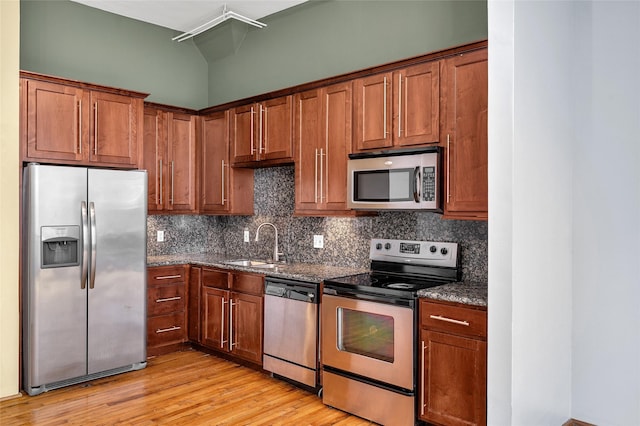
{"x": 55, "y": 304}
{"x": 117, "y": 279}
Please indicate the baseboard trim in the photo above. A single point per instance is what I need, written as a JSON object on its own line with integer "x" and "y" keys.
{"x": 9, "y": 397}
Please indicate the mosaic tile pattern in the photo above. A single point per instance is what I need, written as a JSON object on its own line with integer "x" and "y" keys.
{"x": 346, "y": 240}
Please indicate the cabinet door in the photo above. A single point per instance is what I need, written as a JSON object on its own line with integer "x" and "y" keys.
{"x": 114, "y": 128}
{"x": 417, "y": 104}
{"x": 307, "y": 138}
{"x": 165, "y": 330}
{"x": 154, "y": 157}
{"x": 165, "y": 299}
{"x": 336, "y": 146}
{"x": 215, "y": 305}
{"x": 243, "y": 138}
{"x": 453, "y": 379}
{"x": 194, "y": 307}
{"x": 275, "y": 140}
{"x": 214, "y": 185}
{"x": 373, "y": 112}
{"x": 181, "y": 162}
{"x": 464, "y": 102}
{"x": 57, "y": 122}
{"x": 246, "y": 338}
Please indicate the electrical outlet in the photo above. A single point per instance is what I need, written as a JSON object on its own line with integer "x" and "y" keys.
{"x": 160, "y": 236}
{"x": 318, "y": 241}
{"x": 246, "y": 235}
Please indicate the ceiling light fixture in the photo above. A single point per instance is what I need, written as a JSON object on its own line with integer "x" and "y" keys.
{"x": 226, "y": 14}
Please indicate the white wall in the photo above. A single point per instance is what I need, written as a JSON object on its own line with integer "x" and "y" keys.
{"x": 606, "y": 219}
{"x": 9, "y": 173}
{"x": 531, "y": 147}
{"x": 564, "y": 179}
{"x": 501, "y": 142}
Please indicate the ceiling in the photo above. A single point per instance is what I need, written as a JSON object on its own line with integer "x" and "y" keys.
{"x": 185, "y": 15}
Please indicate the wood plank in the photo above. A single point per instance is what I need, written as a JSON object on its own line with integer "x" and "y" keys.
{"x": 180, "y": 388}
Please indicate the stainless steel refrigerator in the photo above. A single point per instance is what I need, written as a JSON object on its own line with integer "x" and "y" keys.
{"x": 84, "y": 274}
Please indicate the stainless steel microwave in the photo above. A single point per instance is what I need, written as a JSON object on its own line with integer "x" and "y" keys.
{"x": 395, "y": 180}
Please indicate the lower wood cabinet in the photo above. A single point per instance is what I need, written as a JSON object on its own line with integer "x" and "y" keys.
{"x": 166, "y": 308}
{"x": 453, "y": 364}
{"x": 231, "y": 309}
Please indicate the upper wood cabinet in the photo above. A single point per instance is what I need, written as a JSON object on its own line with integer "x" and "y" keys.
{"x": 322, "y": 144}
{"x": 399, "y": 108}
{"x": 70, "y": 122}
{"x": 170, "y": 160}
{"x": 223, "y": 189}
{"x": 262, "y": 132}
{"x": 464, "y": 135}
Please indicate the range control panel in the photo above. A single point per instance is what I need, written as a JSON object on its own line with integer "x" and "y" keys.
{"x": 433, "y": 253}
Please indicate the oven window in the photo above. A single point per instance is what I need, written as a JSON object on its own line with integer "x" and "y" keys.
{"x": 384, "y": 185}
{"x": 365, "y": 333}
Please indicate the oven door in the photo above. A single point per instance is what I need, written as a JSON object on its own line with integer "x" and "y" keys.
{"x": 370, "y": 339}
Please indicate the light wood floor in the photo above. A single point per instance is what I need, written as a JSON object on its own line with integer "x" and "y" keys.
{"x": 181, "y": 388}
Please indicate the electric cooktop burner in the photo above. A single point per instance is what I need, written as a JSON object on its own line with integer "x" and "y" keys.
{"x": 400, "y": 268}
{"x": 401, "y": 285}
{"x": 383, "y": 284}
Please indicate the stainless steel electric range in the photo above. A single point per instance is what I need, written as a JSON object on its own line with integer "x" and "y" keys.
{"x": 369, "y": 331}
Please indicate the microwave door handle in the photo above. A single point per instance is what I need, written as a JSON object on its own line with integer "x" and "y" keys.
{"x": 416, "y": 180}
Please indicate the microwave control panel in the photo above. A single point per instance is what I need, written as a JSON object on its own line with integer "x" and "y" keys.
{"x": 428, "y": 183}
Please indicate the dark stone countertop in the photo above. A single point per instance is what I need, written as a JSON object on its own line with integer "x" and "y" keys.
{"x": 468, "y": 293}
{"x": 297, "y": 271}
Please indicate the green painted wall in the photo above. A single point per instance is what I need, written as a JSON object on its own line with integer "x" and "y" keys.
{"x": 315, "y": 40}
{"x": 323, "y": 38}
{"x": 74, "y": 41}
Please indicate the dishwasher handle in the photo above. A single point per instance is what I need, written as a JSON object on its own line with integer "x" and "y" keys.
{"x": 290, "y": 289}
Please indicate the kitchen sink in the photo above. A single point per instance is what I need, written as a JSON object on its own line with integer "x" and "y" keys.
{"x": 251, "y": 263}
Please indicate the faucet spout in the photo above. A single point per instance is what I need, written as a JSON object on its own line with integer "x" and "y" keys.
{"x": 276, "y": 252}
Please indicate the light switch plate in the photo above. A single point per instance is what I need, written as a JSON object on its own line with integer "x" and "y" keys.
{"x": 318, "y": 241}
{"x": 246, "y": 235}
{"x": 160, "y": 236}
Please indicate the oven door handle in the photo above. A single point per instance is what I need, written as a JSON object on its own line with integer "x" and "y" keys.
{"x": 416, "y": 180}
{"x": 359, "y": 295}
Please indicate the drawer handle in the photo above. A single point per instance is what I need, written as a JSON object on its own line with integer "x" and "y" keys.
{"x": 168, "y": 299}
{"x": 445, "y": 319}
{"x": 167, "y": 277}
{"x": 165, "y": 330}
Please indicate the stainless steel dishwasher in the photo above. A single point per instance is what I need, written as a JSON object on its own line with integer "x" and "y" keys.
{"x": 291, "y": 330}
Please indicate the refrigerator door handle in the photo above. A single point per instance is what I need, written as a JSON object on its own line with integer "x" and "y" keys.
{"x": 92, "y": 221}
{"x": 85, "y": 245}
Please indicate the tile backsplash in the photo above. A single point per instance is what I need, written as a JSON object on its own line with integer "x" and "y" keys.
{"x": 346, "y": 240}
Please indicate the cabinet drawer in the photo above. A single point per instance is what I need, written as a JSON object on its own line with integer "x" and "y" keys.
{"x": 453, "y": 319}
{"x": 215, "y": 278}
{"x": 248, "y": 283}
{"x": 165, "y": 299}
{"x": 166, "y": 329}
{"x": 165, "y": 275}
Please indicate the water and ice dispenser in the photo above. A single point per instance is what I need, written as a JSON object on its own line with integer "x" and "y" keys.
{"x": 60, "y": 246}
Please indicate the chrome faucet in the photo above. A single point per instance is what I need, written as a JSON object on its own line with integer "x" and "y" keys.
{"x": 276, "y": 253}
